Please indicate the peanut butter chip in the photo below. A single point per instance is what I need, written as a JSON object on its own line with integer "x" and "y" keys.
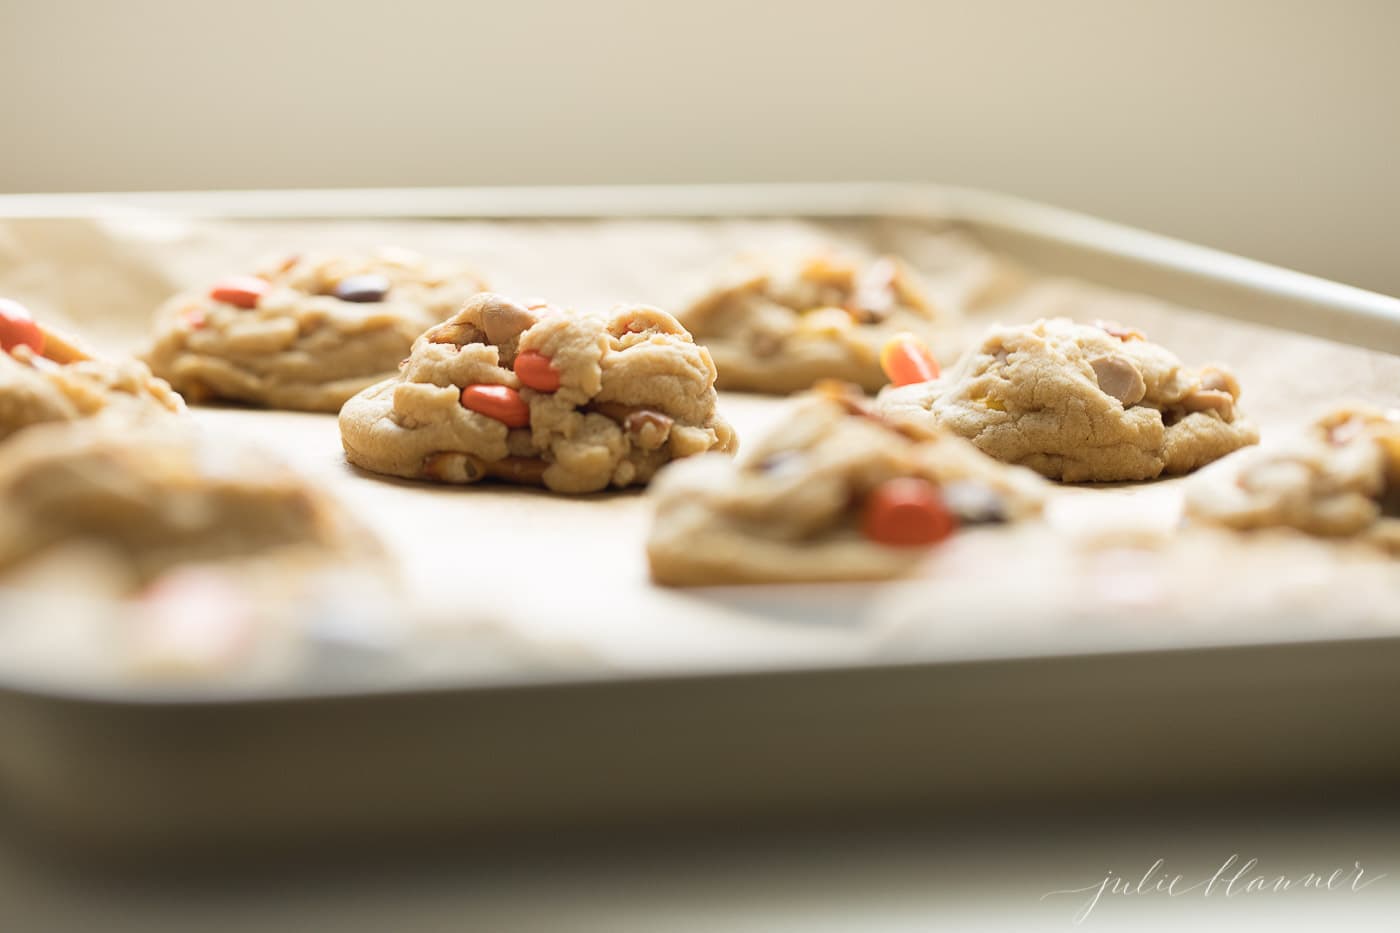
{"x": 649, "y": 429}
{"x": 1216, "y": 400}
{"x": 1113, "y": 328}
{"x": 503, "y": 320}
{"x": 452, "y": 467}
{"x": 765, "y": 345}
{"x": 1220, "y": 381}
{"x": 1119, "y": 378}
{"x": 453, "y": 333}
{"x": 528, "y": 471}
{"x": 1344, "y": 432}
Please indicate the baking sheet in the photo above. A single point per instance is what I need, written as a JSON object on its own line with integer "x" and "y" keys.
{"x": 565, "y": 580}
{"x": 543, "y": 692}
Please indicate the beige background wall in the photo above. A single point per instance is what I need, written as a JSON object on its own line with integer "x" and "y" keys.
{"x": 1268, "y": 128}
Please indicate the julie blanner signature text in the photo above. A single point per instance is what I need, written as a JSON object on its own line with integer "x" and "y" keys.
{"x": 1234, "y": 878}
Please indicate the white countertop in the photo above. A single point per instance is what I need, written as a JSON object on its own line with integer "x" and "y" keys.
{"x": 976, "y": 876}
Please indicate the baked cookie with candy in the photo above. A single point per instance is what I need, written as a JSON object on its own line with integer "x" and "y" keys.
{"x": 1081, "y": 403}
{"x": 780, "y": 330}
{"x": 305, "y": 332}
{"x": 46, "y": 377}
{"x": 1340, "y": 479}
{"x": 147, "y": 496}
{"x": 529, "y": 393}
{"x": 836, "y": 492}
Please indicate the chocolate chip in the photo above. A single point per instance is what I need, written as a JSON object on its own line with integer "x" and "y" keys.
{"x": 973, "y": 503}
{"x": 362, "y": 288}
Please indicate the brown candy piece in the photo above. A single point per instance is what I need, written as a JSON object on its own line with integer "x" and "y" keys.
{"x": 974, "y": 503}
{"x": 782, "y": 462}
{"x": 874, "y": 296}
{"x": 362, "y": 289}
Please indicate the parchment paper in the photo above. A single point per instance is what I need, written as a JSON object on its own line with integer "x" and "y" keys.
{"x": 567, "y": 576}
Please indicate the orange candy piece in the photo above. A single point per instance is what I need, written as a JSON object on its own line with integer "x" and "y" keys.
{"x": 499, "y": 402}
{"x": 907, "y": 512}
{"x": 536, "y": 371}
{"x": 906, "y": 360}
{"x": 17, "y": 327}
{"x": 241, "y": 291}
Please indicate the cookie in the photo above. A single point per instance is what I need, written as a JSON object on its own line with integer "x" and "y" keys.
{"x": 1341, "y": 479}
{"x": 836, "y": 492}
{"x": 152, "y": 495}
{"x": 307, "y": 332}
{"x": 572, "y": 401}
{"x": 45, "y": 378}
{"x": 1082, "y": 403}
{"x": 782, "y": 330}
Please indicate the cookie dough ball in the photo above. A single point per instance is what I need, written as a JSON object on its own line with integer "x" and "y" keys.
{"x": 573, "y": 401}
{"x": 46, "y": 378}
{"x": 1082, "y": 403}
{"x": 782, "y": 330}
{"x": 1341, "y": 479}
{"x": 304, "y": 333}
{"x": 835, "y": 493}
{"x": 154, "y": 495}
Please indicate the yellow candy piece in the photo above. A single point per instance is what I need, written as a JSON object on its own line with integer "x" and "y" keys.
{"x": 995, "y": 404}
{"x": 825, "y": 322}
